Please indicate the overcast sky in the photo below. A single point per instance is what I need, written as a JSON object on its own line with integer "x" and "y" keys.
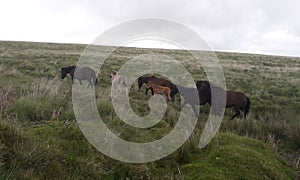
{"x": 254, "y": 26}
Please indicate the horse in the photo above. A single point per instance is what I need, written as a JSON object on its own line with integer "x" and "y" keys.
{"x": 118, "y": 81}
{"x": 142, "y": 80}
{"x": 204, "y": 91}
{"x": 239, "y": 101}
{"x": 160, "y": 89}
{"x": 155, "y": 80}
{"x": 189, "y": 95}
{"x": 236, "y": 99}
{"x": 80, "y": 73}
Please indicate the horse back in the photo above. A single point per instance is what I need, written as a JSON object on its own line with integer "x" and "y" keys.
{"x": 235, "y": 98}
{"x": 161, "y": 82}
{"x": 160, "y": 89}
{"x": 84, "y": 73}
{"x": 121, "y": 80}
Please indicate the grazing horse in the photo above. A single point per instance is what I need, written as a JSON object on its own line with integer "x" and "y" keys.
{"x": 239, "y": 101}
{"x": 155, "y": 80}
{"x": 235, "y": 99}
{"x": 189, "y": 95}
{"x": 80, "y": 73}
{"x": 160, "y": 89}
{"x": 118, "y": 81}
{"x": 144, "y": 79}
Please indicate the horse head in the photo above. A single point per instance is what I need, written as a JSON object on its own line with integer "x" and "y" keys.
{"x": 66, "y": 70}
{"x": 140, "y": 82}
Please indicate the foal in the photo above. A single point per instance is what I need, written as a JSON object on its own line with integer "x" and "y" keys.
{"x": 155, "y": 80}
{"x": 160, "y": 89}
{"x": 119, "y": 82}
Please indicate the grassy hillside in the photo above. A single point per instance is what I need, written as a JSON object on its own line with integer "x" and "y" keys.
{"x": 40, "y": 138}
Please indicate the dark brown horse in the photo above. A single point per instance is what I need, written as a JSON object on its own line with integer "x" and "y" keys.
{"x": 203, "y": 91}
{"x": 155, "y": 80}
{"x": 80, "y": 73}
{"x": 235, "y": 99}
{"x": 239, "y": 101}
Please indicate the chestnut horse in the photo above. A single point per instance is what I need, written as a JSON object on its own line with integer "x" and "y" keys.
{"x": 155, "y": 80}
{"x": 159, "y": 89}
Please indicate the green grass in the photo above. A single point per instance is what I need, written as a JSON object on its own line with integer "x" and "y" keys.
{"x": 233, "y": 157}
{"x": 52, "y": 149}
{"x": 40, "y": 138}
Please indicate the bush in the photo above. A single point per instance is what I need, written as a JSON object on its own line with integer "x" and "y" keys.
{"x": 41, "y": 108}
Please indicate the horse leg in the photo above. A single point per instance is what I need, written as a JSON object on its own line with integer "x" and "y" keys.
{"x": 146, "y": 91}
{"x": 112, "y": 88}
{"x": 168, "y": 97}
{"x": 237, "y": 112}
{"x": 183, "y": 104}
{"x": 80, "y": 82}
{"x": 173, "y": 99}
{"x": 167, "y": 94}
{"x": 126, "y": 91}
{"x": 91, "y": 82}
{"x": 194, "y": 109}
{"x": 120, "y": 88}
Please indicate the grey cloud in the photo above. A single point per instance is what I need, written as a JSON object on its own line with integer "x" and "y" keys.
{"x": 228, "y": 25}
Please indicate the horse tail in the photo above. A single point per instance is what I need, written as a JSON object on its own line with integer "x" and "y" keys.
{"x": 247, "y": 107}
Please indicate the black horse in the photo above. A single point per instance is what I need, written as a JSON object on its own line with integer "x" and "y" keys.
{"x": 80, "y": 73}
{"x": 145, "y": 79}
{"x": 204, "y": 93}
{"x": 235, "y": 99}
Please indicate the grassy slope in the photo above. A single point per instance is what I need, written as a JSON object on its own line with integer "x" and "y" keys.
{"x": 45, "y": 136}
{"x": 60, "y": 151}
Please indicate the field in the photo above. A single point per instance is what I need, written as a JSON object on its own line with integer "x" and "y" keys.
{"x": 40, "y": 138}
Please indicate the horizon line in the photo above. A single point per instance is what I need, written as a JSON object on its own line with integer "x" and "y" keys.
{"x": 160, "y": 48}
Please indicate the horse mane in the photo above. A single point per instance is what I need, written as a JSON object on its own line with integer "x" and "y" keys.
{"x": 209, "y": 84}
{"x": 213, "y": 86}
